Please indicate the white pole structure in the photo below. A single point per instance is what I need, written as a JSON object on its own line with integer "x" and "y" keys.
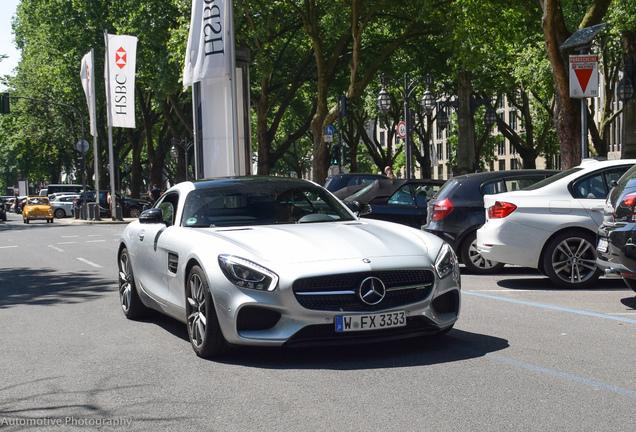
{"x": 111, "y": 158}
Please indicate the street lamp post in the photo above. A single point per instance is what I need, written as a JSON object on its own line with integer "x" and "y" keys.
{"x": 406, "y": 89}
{"x": 186, "y": 145}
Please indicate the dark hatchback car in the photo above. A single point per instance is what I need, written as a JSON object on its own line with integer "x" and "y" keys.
{"x": 131, "y": 207}
{"x": 457, "y": 211}
{"x": 616, "y": 248}
{"x": 353, "y": 181}
{"x": 403, "y": 201}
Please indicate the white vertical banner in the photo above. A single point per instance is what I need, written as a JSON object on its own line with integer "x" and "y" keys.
{"x": 87, "y": 76}
{"x": 209, "y": 50}
{"x": 121, "y": 56}
{"x": 210, "y": 61}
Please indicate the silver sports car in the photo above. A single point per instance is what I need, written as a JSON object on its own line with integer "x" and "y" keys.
{"x": 275, "y": 261}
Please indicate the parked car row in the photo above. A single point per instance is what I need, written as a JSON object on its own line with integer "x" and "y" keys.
{"x": 552, "y": 225}
{"x": 565, "y": 224}
{"x": 131, "y": 207}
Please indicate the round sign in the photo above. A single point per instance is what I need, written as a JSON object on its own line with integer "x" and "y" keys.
{"x": 402, "y": 129}
{"x": 82, "y": 146}
{"x": 329, "y": 130}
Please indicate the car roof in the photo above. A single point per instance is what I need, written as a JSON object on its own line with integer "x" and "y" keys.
{"x": 489, "y": 175}
{"x": 383, "y": 187}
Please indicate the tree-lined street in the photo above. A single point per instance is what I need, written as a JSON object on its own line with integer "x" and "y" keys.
{"x": 523, "y": 356}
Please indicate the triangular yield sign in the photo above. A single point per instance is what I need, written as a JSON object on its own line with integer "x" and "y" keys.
{"x": 583, "y": 75}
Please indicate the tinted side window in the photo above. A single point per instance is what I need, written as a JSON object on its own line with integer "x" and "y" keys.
{"x": 404, "y": 196}
{"x": 513, "y": 184}
{"x": 493, "y": 187}
{"x": 597, "y": 185}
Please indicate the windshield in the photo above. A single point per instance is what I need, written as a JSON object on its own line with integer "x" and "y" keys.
{"x": 261, "y": 204}
{"x": 552, "y": 179}
{"x": 38, "y": 201}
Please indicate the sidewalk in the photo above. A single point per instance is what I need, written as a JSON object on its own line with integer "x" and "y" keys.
{"x": 103, "y": 221}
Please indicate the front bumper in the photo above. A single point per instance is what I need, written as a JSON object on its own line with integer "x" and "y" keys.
{"x": 277, "y": 318}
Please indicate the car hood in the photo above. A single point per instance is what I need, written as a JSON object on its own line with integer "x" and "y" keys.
{"x": 296, "y": 243}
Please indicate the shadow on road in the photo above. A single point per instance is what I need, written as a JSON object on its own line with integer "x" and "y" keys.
{"x": 43, "y": 286}
{"x": 630, "y": 302}
{"x": 538, "y": 282}
{"x": 455, "y": 346}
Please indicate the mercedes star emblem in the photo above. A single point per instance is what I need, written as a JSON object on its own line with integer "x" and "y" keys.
{"x": 372, "y": 291}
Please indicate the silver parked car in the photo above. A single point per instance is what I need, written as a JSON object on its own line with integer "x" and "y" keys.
{"x": 62, "y": 205}
{"x": 275, "y": 261}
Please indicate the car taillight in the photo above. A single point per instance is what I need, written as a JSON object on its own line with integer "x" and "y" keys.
{"x": 501, "y": 210}
{"x": 628, "y": 203}
{"x": 441, "y": 209}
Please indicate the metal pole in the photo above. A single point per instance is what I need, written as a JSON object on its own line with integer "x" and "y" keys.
{"x": 340, "y": 152}
{"x": 583, "y": 129}
{"x": 407, "y": 121}
{"x": 113, "y": 199}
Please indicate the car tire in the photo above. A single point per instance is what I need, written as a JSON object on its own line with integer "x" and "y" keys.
{"x": 631, "y": 283}
{"x": 203, "y": 325}
{"x": 26, "y": 220}
{"x": 60, "y": 213}
{"x": 569, "y": 260}
{"x": 472, "y": 259}
{"x": 134, "y": 213}
{"x": 129, "y": 299}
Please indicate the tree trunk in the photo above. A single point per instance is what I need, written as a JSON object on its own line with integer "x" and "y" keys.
{"x": 629, "y": 107}
{"x": 466, "y": 161}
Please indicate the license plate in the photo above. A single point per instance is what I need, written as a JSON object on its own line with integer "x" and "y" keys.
{"x": 602, "y": 245}
{"x": 345, "y": 323}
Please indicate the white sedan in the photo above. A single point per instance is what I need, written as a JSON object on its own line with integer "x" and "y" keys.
{"x": 274, "y": 261}
{"x": 551, "y": 226}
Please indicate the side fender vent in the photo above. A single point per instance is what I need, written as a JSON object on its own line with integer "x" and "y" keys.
{"x": 173, "y": 262}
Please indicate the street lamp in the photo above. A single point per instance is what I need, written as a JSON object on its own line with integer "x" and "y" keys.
{"x": 383, "y": 103}
{"x": 186, "y": 145}
{"x": 625, "y": 89}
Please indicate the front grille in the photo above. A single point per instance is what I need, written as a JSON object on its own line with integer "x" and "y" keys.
{"x": 340, "y": 292}
{"x": 325, "y": 334}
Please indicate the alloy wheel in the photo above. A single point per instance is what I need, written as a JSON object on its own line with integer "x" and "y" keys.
{"x": 196, "y": 303}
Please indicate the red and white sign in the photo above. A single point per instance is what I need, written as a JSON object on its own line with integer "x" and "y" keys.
{"x": 583, "y": 76}
{"x": 401, "y": 129}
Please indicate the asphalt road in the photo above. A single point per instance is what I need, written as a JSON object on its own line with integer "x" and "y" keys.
{"x": 523, "y": 356}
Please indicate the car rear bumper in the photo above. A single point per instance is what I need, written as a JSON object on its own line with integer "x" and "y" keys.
{"x": 507, "y": 243}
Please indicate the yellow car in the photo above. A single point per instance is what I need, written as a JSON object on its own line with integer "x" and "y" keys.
{"x": 37, "y": 208}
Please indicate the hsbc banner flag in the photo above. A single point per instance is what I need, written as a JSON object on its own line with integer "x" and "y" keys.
{"x": 121, "y": 55}
{"x": 87, "y": 76}
{"x": 208, "y": 52}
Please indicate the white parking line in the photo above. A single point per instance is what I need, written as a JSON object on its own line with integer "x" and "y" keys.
{"x": 89, "y": 262}
{"x": 56, "y": 248}
{"x": 566, "y": 376}
{"x": 7, "y": 247}
{"x": 95, "y": 241}
{"x": 576, "y": 311}
{"x": 67, "y": 242}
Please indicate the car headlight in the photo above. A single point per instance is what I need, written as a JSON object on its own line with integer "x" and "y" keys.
{"x": 446, "y": 262}
{"x": 246, "y": 274}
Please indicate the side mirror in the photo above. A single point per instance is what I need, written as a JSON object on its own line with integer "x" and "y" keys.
{"x": 613, "y": 183}
{"x": 151, "y": 216}
{"x": 359, "y": 208}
